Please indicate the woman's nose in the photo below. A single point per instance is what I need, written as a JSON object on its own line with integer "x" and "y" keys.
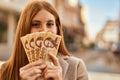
{"x": 43, "y": 29}
{"x": 40, "y": 29}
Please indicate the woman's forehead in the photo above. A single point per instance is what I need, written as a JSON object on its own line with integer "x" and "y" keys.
{"x": 44, "y": 15}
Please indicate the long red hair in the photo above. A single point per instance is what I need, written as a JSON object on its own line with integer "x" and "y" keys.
{"x": 10, "y": 70}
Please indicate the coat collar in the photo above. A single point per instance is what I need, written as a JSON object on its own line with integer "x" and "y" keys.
{"x": 63, "y": 64}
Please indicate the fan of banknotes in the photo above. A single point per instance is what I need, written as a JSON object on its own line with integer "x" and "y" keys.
{"x": 38, "y": 44}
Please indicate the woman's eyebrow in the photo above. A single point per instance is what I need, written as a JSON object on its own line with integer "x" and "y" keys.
{"x": 36, "y": 21}
{"x": 50, "y": 21}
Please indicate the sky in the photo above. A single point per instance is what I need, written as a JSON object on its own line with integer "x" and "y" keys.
{"x": 97, "y": 12}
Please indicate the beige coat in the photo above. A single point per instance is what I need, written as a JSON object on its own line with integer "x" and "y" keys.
{"x": 73, "y": 68}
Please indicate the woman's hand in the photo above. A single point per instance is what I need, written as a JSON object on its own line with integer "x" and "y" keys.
{"x": 32, "y": 70}
{"x": 53, "y": 72}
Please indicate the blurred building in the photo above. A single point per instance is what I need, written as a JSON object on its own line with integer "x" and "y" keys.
{"x": 110, "y": 34}
{"x": 70, "y": 12}
{"x": 9, "y": 15}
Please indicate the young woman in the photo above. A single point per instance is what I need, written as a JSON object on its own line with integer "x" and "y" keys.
{"x": 40, "y": 16}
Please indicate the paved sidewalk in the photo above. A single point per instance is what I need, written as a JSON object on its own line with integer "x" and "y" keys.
{"x": 103, "y": 76}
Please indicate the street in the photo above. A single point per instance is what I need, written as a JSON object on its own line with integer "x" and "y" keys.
{"x": 101, "y": 65}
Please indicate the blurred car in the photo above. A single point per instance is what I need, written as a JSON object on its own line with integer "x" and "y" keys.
{"x": 116, "y": 50}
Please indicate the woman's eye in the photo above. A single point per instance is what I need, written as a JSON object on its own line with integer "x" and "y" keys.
{"x": 50, "y": 24}
{"x": 35, "y": 24}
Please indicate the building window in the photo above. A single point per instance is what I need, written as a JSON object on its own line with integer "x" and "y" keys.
{"x": 3, "y": 27}
{"x": 3, "y": 32}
